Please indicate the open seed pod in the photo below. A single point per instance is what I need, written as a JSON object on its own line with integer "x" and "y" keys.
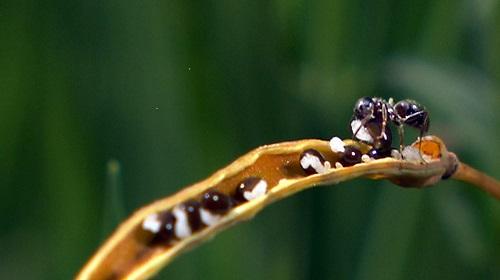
{"x": 150, "y": 238}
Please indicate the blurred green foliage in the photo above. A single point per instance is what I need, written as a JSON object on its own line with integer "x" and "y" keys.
{"x": 174, "y": 90}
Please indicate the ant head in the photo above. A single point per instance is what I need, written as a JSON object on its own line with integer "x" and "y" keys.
{"x": 364, "y": 107}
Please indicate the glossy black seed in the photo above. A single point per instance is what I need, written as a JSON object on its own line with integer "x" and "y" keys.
{"x": 350, "y": 156}
{"x": 166, "y": 233}
{"x": 311, "y": 152}
{"x": 192, "y": 208}
{"x": 379, "y": 153}
{"x": 216, "y": 202}
{"x": 246, "y": 185}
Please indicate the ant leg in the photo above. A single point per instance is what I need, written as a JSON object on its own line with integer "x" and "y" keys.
{"x": 413, "y": 115}
{"x": 401, "y": 142}
{"x": 420, "y": 146}
{"x": 401, "y": 138}
{"x": 384, "y": 123}
{"x": 422, "y": 131}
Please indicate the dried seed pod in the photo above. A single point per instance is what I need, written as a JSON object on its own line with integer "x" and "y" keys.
{"x": 129, "y": 255}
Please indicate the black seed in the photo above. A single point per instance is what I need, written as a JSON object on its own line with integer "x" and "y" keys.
{"x": 192, "y": 208}
{"x": 216, "y": 202}
{"x": 379, "y": 153}
{"x": 350, "y": 156}
{"x": 166, "y": 233}
{"x": 311, "y": 152}
{"x": 246, "y": 185}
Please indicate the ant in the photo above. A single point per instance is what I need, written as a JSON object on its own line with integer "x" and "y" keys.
{"x": 371, "y": 117}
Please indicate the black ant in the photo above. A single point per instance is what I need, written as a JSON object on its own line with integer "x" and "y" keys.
{"x": 371, "y": 117}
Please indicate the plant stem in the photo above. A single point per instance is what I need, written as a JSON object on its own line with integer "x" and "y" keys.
{"x": 478, "y": 179}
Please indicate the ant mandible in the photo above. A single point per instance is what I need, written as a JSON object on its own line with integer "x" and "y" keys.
{"x": 371, "y": 117}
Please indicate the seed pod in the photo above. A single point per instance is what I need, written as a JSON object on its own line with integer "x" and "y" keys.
{"x": 269, "y": 173}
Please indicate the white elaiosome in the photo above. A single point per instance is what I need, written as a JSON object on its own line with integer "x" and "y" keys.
{"x": 313, "y": 161}
{"x": 410, "y": 153}
{"x": 363, "y": 133}
{"x": 338, "y": 165}
{"x": 366, "y": 158}
{"x": 327, "y": 165}
{"x": 259, "y": 190}
{"x": 395, "y": 154}
{"x": 182, "y": 228}
{"x": 413, "y": 154}
{"x": 208, "y": 218}
{"x": 337, "y": 145}
{"x": 152, "y": 223}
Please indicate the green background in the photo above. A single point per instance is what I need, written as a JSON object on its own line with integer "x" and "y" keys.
{"x": 174, "y": 90}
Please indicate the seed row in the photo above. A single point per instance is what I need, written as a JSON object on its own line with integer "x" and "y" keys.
{"x": 313, "y": 161}
{"x": 191, "y": 216}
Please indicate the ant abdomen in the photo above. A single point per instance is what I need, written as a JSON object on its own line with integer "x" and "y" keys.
{"x": 411, "y": 113}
